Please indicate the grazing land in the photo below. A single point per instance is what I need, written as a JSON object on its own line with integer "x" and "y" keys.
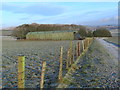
{"x": 35, "y": 52}
{"x": 113, "y": 40}
{"x": 97, "y": 69}
{"x": 6, "y": 32}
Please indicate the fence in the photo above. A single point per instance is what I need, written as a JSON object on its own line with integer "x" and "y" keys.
{"x": 71, "y": 54}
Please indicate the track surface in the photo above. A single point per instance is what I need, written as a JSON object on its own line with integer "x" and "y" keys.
{"x": 112, "y": 49}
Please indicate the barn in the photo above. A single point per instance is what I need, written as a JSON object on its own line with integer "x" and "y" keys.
{"x": 52, "y": 35}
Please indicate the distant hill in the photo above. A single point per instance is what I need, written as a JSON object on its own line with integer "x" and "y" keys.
{"x": 7, "y": 31}
{"x": 109, "y": 27}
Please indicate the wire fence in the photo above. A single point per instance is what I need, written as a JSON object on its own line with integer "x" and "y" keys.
{"x": 46, "y": 74}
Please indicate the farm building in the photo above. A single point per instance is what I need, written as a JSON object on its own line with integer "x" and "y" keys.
{"x": 52, "y": 35}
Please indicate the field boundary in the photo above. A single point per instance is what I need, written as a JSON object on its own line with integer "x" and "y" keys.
{"x": 73, "y": 68}
{"x": 115, "y": 44}
{"x": 73, "y": 54}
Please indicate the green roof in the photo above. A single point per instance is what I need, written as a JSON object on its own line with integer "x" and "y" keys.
{"x": 53, "y": 31}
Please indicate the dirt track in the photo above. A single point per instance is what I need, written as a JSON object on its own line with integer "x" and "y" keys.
{"x": 112, "y": 49}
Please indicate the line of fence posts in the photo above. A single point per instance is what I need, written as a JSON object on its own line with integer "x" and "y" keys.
{"x": 21, "y": 73}
{"x": 70, "y": 55}
{"x": 85, "y": 44}
{"x": 69, "y": 61}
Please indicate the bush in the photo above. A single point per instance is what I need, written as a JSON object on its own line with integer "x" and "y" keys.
{"x": 102, "y": 32}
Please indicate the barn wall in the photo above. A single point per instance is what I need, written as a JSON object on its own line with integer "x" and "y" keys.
{"x": 51, "y": 36}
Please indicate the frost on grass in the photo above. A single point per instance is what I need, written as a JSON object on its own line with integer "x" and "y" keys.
{"x": 35, "y": 52}
{"x": 97, "y": 70}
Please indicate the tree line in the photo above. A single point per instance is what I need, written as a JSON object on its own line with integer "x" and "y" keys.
{"x": 21, "y": 31}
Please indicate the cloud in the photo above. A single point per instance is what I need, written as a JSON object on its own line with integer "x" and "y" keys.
{"x": 26, "y": 18}
{"x": 109, "y": 19}
{"x": 34, "y": 9}
{"x": 77, "y": 13}
{"x": 104, "y": 21}
{"x": 92, "y": 12}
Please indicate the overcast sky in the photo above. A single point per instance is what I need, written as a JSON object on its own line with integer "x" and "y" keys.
{"x": 84, "y": 13}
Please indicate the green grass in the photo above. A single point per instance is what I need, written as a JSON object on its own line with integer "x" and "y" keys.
{"x": 6, "y": 32}
{"x": 114, "y": 40}
{"x": 95, "y": 65}
{"x": 35, "y": 52}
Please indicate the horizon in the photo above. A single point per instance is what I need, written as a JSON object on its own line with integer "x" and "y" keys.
{"x": 80, "y": 13}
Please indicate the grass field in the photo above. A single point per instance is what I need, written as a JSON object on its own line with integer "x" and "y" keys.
{"x": 96, "y": 69}
{"x": 6, "y": 32}
{"x": 114, "y": 40}
{"x": 97, "y": 64}
{"x": 35, "y": 52}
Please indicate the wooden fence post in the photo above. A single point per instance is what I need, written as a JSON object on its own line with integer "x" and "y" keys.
{"x": 78, "y": 49}
{"x": 86, "y": 43}
{"x": 83, "y": 45}
{"x": 73, "y": 58}
{"x": 68, "y": 58}
{"x": 71, "y": 51}
{"x": 21, "y": 72}
{"x": 43, "y": 74}
{"x": 89, "y": 41}
{"x": 60, "y": 69}
{"x": 76, "y": 52}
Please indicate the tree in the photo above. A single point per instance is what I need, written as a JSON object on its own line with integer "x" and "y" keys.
{"x": 82, "y": 31}
{"x": 21, "y": 31}
{"x": 89, "y": 34}
{"x": 102, "y": 32}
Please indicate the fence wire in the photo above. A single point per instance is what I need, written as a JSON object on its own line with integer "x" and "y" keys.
{"x": 35, "y": 69}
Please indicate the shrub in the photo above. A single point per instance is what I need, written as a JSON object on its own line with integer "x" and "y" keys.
{"x": 102, "y": 32}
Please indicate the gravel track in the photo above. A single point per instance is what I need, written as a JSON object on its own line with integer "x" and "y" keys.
{"x": 112, "y": 49}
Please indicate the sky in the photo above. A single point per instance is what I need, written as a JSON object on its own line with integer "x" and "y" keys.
{"x": 82, "y": 13}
